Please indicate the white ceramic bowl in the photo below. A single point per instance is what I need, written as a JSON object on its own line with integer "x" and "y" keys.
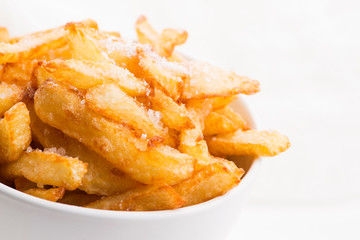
{"x": 25, "y": 217}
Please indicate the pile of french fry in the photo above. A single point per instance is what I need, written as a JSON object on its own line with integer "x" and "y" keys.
{"x": 93, "y": 120}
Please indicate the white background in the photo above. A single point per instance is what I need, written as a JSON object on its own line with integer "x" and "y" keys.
{"x": 306, "y": 54}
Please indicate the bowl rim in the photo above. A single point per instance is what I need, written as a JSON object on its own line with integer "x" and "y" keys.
{"x": 27, "y": 199}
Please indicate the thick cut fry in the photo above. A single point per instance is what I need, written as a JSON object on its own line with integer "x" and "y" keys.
{"x": 109, "y": 100}
{"x": 19, "y": 73}
{"x": 167, "y": 76}
{"x": 175, "y": 115}
{"x": 164, "y": 43}
{"x": 112, "y": 140}
{"x": 238, "y": 121}
{"x": 52, "y": 194}
{"x": 4, "y": 35}
{"x": 148, "y": 198}
{"x": 216, "y": 123}
{"x": 32, "y": 46}
{"x": 83, "y": 45}
{"x": 209, "y": 81}
{"x": 10, "y": 94}
{"x": 221, "y": 102}
{"x": 211, "y": 181}
{"x": 23, "y": 184}
{"x": 15, "y": 133}
{"x": 46, "y": 168}
{"x": 87, "y": 74}
{"x": 101, "y": 178}
{"x": 252, "y": 142}
{"x": 78, "y": 198}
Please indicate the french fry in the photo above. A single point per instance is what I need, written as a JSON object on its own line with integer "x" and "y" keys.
{"x": 110, "y": 101}
{"x": 10, "y": 94}
{"x": 46, "y": 168}
{"x": 101, "y": 178}
{"x": 87, "y": 74}
{"x": 216, "y": 123}
{"x": 238, "y": 121}
{"x": 163, "y": 43}
{"x": 15, "y": 133}
{"x": 4, "y": 35}
{"x": 251, "y": 142}
{"x": 32, "y": 46}
{"x": 211, "y": 181}
{"x": 148, "y": 198}
{"x": 167, "y": 76}
{"x": 113, "y": 141}
{"x": 83, "y": 45}
{"x": 203, "y": 78}
{"x": 221, "y": 102}
{"x": 19, "y": 73}
{"x": 175, "y": 115}
{"x": 51, "y": 194}
{"x": 23, "y": 184}
{"x": 78, "y": 198}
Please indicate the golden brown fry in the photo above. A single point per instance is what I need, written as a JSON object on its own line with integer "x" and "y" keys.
{"x": 167, "y": 76}
{"x": 175, "y": 115}
{"x": 101, "y": 178}
{"x": 78, "y": 198}
{"x": 4, "y": 35}
{"x": 220, "y": 102}
{"x": 51, "y": 194}
{"x": 10, "y": 94}
{"x": 23, "y": 184}
{"x": 148, "y": 198}
{"x": 211, "y": 181}
{"x": 19, "y": 73}
{"x": 238, "y": 121}
{"x": 83, "y": 45}
{"x": 46, "y": 168}
{"x": 164, "y": 43}
{"x": 32, "y": 46}
{"x": 251, "y": 142}
{"x": 87, "y": 74}
{"x": 113, "y": 141}
{"x": 204, "y": 78}
{"x": 110, "y": 101}
{"x": 216, "y": 123}
{"x": 15, "y": 133}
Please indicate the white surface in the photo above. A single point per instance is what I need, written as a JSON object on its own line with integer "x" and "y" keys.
{"x": 306, "y": 55}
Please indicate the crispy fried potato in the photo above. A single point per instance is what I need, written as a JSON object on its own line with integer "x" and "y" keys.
{"x": 4, "y": 35}
{"x": 252, "y": 142}
{"x": 211, "y": 181}
{"x": 216, "y": 123}
{"x": 87, "y": 74}
{"x": 221, "y": 102}
{"x": 83, "y": 45}
{"x": 148, "y": 198}
{"x": 112, "y": 140}
{"x": 23, "y": 184}
{"x": 46, "y": 168}
{"x": 10, "y": 94}
{"x": 15, "y": 133}
{"x": 101, "y": 178}
{"x": 78, "y": 198}
{"x": 20, "y": 73}
{"x": 203, "y": 78}
{"x": 175, "y": 115}
{"x": 51, "y": 194}
{"x": 32, "y": 46}
{"x": 110, "y": 101}
{"x": 238, "y": 121}
{"x": 164, "y": 43}
{"x": 167, "y": 76}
